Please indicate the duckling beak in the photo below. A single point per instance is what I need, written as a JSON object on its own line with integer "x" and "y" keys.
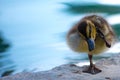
{"x": 91, "y": 44}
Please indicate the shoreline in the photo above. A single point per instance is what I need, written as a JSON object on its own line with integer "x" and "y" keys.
{"x": 110, "y": 71}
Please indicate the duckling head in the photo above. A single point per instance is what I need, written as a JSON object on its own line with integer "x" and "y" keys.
{"x": 87, "y": 31}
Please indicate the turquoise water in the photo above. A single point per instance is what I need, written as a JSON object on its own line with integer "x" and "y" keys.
{"x": 36, "y": 32}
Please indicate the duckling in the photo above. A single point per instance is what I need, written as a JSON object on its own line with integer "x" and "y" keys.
{"x": 93, "y": 35}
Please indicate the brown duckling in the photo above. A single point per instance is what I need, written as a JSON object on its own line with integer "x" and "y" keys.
{"x": 93, "y": 35}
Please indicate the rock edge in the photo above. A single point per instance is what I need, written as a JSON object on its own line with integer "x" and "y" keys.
{"x": 110, "y": 71}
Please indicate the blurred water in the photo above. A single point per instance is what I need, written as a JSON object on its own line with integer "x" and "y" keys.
{"x": 36, "y": 30}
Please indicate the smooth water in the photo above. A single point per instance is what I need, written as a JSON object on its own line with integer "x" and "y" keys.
{"x": 36, "y": 31}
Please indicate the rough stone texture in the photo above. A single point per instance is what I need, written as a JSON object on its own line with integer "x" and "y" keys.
{"x": 110, "y": 71}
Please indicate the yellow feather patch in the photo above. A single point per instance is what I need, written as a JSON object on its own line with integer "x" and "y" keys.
{"x": 93, "y": 30}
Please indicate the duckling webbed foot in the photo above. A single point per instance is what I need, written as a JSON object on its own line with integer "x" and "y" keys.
{"x": 92, "y": 70}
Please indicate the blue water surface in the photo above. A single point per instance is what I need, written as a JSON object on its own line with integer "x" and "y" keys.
{"x": 36, "y": 30}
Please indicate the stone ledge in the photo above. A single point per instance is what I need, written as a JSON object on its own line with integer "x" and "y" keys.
{"x": 110, "y": 71}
